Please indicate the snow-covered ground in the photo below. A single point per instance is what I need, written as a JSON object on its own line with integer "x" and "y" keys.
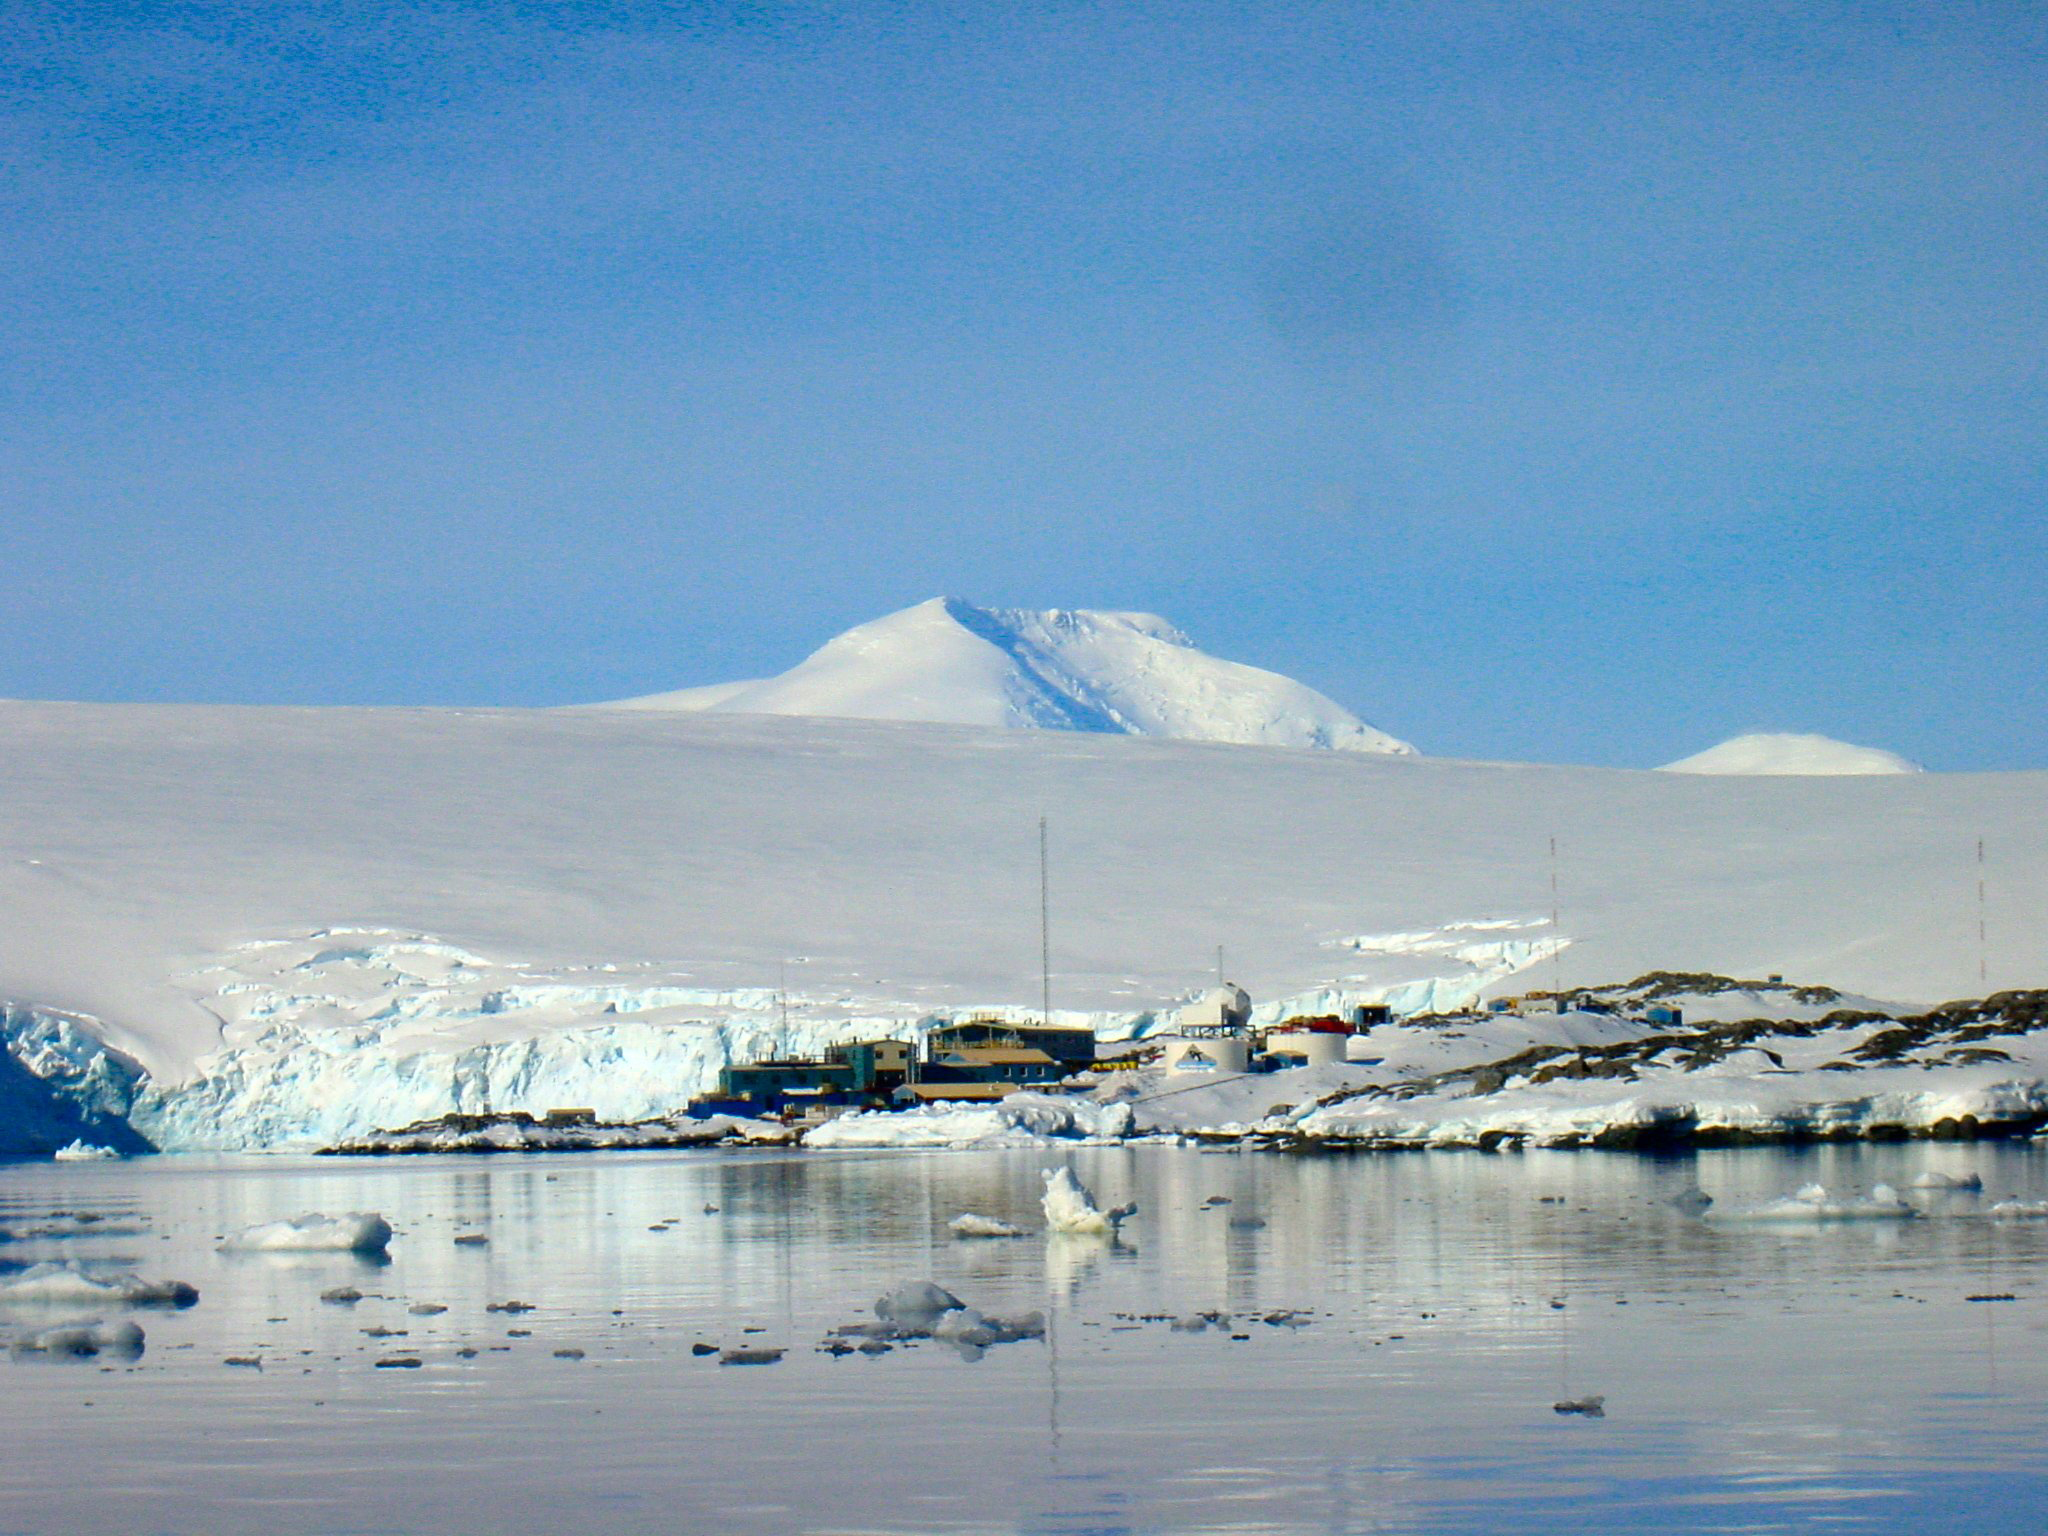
{"x": 1763, "y": 1064}
{"x": 234, "y": 927}
{"x": 1771, "y": 1063}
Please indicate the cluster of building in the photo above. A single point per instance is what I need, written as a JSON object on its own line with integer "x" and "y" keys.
{"x": 1665, "y": 1015}
{"x": 1215, "y": 1033}
{"x": 975, "y": 1059}
{"x": 986, "y": 1058}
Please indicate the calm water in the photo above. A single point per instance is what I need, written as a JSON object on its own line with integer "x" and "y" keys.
{"x": 1757, "y": 1379}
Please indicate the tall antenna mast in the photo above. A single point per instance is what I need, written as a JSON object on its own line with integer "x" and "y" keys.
{"x": 1556, "y": 934}
{"x": 782, "y": 996}
{"x": 1044, "y": 932}
{"x": 1983, "y": 942}
{"x": 1219, "y": 965}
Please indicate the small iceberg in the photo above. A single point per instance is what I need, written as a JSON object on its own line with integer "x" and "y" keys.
{"x": 916, "y": 1307}
{"x": 923, "y": 1310}
{"x": 350, "y": 1232}
{"x": 1070, "y": 1208}
{"x": 968, "y": 1224}
{"x": 973, "y": 1335}
{"x": 1815, "y": 1203}
{"x": 85, "y": 1152}
{"x": 83, "y": 1341}
{"x": 66, "y": 1285}
{"x": 1955, "y": 1181}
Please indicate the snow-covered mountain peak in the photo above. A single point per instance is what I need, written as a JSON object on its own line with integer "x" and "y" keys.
{"x": 951, "y": 662}
{"x": 1779, "y": 752}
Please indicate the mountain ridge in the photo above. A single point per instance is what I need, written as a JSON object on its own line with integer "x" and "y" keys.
{"x": 947, "y": 661}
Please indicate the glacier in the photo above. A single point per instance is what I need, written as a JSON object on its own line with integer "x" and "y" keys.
{"x": 329, "y": 1037}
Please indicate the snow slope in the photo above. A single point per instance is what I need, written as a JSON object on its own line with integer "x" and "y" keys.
{"x": 309, "y": 923}
{"x": 1769, "y": 752}
{"x": 1063, "y": 670}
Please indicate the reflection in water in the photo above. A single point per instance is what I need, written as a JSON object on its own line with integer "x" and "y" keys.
{"x": 1756, "y": 1377}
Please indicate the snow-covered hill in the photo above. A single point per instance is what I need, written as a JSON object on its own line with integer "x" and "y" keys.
{"x": 1777, "y": 752}
{"x": 1132, "y": 674}
{"x": 311, "y": 922}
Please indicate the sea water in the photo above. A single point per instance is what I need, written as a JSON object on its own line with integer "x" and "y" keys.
{"x": 1756, "y": 1377}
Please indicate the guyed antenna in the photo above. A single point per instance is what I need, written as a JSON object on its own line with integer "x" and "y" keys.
{"x": 1983, "y": 929}
{"x": 1044, "y": 931}
{"x": 1556, "y": 934}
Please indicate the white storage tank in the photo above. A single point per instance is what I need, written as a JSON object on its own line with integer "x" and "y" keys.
{"x": 1219, "y": 1054}
{"x": 1308, "y": 1049}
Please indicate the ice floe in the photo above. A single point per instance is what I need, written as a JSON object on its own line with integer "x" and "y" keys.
{"x": 351, "y": 1232}
{"x": 67, "y": 1284}
{"x": 917, "y": 1304}
{"x": 2020, "y": 1210}
{"x": 85, "y": 1152}
{"x": 969, "y": 1224}
{"x": 83, "y": 1341}
{"x": 1814, "y": 1202}
{"x": 1934, "y": 1179}
{"x": 922, "y": 1309}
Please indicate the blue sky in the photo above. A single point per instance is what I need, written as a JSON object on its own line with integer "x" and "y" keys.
{"x": 1572, "y": 382}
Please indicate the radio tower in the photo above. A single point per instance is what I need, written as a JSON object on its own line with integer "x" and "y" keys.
{"x": 1556, "y": 934}
{"x": 1044, "y": 933}
{"x": 1983, "y": 930}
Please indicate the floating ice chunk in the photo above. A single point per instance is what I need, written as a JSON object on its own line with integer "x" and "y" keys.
{"x": 753, "y": 1354}
{"x": 351, "y": 1232}
{"x": 973, "y": 1335}
{"x": 1070, "y": 1208}
{"x": 916, "y": 1306}
{"x": 1813, "y": 1202}
{"x": 1934, "y": 1180}
{"x": 2021, "y": 1210}
{"x": 967, "y": 1224}
{"x": 85, "y": 1152}
{"x": 83, "y": 1341}
{"x": 969, "y": 1326}
{"x": 63, "y": 1224}
{"x": 966, "y": 1326}
{"x": 1693, "y": 1201}
{"x": 67, "y": 1285}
